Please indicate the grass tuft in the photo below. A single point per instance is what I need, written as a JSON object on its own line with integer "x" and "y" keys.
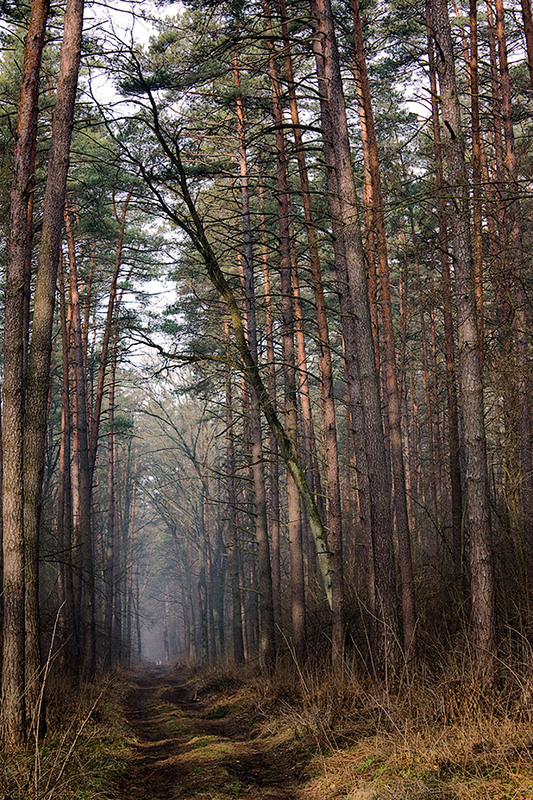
{"x": 85, "y": 750}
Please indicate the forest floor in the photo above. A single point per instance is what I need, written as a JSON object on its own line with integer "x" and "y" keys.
{"x": 211, "y": 735}
{"x": 186, "y": 747}
{"x": 157, "y": 733}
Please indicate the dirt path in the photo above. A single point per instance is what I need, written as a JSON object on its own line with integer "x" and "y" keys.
{"x": 190, "y": 749}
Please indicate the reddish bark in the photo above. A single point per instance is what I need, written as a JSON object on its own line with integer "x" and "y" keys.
{"x": 390, "y": 378}
{"x": 344, "y": 215}
{"x": 268, "y": 639}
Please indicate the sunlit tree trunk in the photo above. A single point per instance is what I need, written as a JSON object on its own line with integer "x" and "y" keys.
{"x": 391, "y": 393}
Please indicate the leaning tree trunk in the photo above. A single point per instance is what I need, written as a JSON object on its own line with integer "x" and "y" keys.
{"x": 195, "y": 229}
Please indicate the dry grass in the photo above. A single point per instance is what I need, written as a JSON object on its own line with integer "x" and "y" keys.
{"x": 85, "y": 749}
{"x": 435, "y": 738}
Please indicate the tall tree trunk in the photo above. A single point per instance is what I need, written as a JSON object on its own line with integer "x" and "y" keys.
{"x": 528, "y": 33}
{"x": 268, "y": 643}
{"x": 449, "y": 340}
{"x": 38, "y": 382}
{"x": 477, "y": 202}
{"x": 523, "y": 315}
{"x": 477, "y": 517}
{"x": 69, "y": 630}
{"x": 334, "y": 514}
{"x": 130, "y": 599}
{"x": 274, "y": 501}
{"x": 233, "y": 531}
{"x": 209, "y": 582}
{"x": 392, "y": 393}
{"x": 112, "y": 304}
{"x": 340, "y": 176}
{"x": 14, "y": 679}
{"x": 82, "y": 519}
{"x": 110, "y": 576}
{"x": 429, "y": 399}
{"x": 288, "y": 356}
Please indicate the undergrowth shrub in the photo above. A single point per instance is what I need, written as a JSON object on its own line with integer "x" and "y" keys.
{"x": 86, "y": 746}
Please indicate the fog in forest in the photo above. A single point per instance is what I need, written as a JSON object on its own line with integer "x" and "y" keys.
{"x": 266, "y": 427}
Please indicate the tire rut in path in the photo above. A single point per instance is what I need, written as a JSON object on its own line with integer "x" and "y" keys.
{"x": 182, "y": 752}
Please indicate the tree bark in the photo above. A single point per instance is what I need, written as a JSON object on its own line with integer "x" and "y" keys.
{"x": 68, "y": 628}
{"x": 195, "y": 229}
{"x": 38, "y": 382}
{"x": 528, "y": 33}
{"x": 233, "y": 531}
{"x": 522, "y": 317}
{"x": 82, "y": 517}
{"x": 14, "y": 597}
{"x": 334, "y": 514}
{"x": 340, "y": 176}
{"x": 449, "y": 339}
{"x": 392, "y": 393}
{"x": 274, "y": 501}
{"x": 268, "y": 642}
{"x": 477, "y": 203}
{"x": 477, "y": 517}
{"x": 112, "y": 303}
{"x": 288, "y": 356}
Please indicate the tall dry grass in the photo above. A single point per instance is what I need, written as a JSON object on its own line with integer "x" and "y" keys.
{"x": 434, "y": 733}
